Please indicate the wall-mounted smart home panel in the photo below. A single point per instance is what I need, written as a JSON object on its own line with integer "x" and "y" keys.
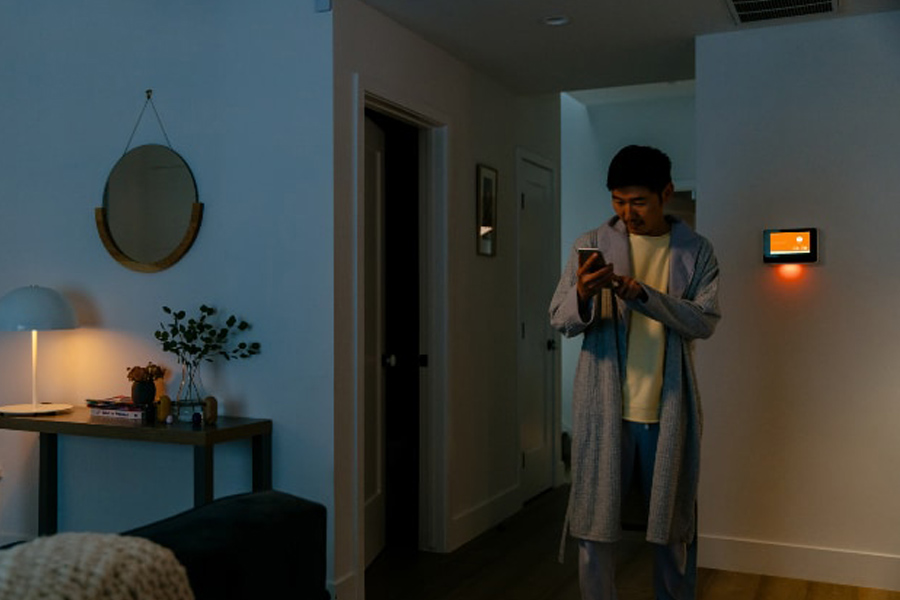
{"x": 786, "y": 246}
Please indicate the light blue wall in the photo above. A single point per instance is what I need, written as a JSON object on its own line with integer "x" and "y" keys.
{"x": 799, "y": 126}
{"x": 245, "y": 93}
{"x": 592, "y": 133}
{"x": 583, "y": 193}
{"x": 583, "y": 172}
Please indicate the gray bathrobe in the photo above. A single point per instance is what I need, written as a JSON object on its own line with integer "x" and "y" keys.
{"x": 689, "y": 310}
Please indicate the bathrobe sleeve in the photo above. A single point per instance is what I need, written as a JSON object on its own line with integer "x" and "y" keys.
{"x": 694, "y": 311}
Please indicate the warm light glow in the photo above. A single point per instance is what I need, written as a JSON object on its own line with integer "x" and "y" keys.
{"x": 790, "y": 272}
{"x": 34, "y": 308}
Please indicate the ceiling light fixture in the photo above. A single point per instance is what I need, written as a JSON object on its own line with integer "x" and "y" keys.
{"x": 556, "y": 20}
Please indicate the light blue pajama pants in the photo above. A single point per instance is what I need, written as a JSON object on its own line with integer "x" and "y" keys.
{"x": 674, "y": 566}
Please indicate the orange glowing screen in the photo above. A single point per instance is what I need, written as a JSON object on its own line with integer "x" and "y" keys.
{"x": 789, "y": 242}
{"x": 795, "y": 245}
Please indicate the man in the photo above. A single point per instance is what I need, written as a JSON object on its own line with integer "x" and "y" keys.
{"x": 636, "y": 406}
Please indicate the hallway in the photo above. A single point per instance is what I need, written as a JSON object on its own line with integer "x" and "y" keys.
{"x": 518, "y": 561}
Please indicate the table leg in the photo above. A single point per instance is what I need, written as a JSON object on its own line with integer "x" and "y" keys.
{"x": 203, "y": 475}
{"x": 48, "y": 485}
{"x": 262, "y": 462}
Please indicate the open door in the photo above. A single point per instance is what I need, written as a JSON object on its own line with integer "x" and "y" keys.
{"x": 392, "y": 358}
{"x": 373, "y": 260}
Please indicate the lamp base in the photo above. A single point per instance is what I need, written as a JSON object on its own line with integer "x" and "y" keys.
{"x": 44, "y": 408}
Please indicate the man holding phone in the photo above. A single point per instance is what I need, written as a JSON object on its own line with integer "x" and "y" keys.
{"x": 639, "y": 289}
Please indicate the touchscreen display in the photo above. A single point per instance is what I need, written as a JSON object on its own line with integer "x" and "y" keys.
{"x": 790, "y": 245}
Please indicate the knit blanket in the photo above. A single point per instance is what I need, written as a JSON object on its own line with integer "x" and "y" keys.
{"x": 92, "y": 566}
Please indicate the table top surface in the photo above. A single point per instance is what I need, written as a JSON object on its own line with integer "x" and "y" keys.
{"x": 79, "y": 421}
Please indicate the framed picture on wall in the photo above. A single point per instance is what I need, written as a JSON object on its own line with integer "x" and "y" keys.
{"x": 486, "y": 210}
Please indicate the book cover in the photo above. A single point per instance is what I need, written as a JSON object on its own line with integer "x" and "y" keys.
{"x": 118, "y": 413}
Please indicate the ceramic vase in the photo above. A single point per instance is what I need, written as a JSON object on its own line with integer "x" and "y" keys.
{"x": 143, "y": 393}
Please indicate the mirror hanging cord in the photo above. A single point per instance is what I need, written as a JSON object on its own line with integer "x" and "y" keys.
{"x": 149, "y": 101}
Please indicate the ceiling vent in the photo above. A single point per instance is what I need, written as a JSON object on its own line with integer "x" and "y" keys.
{"x": 750, "y": 11}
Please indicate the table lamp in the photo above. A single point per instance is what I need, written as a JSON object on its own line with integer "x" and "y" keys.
{"x": 34, "y": 308}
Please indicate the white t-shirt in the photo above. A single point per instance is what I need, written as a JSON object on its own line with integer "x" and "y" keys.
{"x": 646, "y": 336}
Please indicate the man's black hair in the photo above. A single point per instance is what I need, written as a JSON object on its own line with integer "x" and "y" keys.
{"x": 640, "y": 166}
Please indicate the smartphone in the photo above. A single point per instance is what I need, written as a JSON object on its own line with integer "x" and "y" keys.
{"x": 585, "y": 253}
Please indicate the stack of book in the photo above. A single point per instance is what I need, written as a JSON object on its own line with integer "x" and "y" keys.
{"x": 117, "y": 408}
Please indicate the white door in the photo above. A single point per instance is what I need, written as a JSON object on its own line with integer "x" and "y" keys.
{"x": 374, "y": 434}
{"x": 538, "y": 273}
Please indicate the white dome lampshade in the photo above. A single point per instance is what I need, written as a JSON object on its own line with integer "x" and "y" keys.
{"x": 34, "y": 308}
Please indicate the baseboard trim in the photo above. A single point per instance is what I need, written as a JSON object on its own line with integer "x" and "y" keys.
{"x": 470, "y": 523}
{"x": 344, "y": 587}
{"x": 795, "y": 561}
{"x": 9, "y": 538}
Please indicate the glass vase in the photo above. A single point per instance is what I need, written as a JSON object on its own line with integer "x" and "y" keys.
{"x": 190, "y": 394}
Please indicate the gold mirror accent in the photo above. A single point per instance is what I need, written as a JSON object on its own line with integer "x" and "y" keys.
{"x": 150, "y": 215}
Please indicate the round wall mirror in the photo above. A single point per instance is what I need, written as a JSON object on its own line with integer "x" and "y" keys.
{"x": 150, "y": 214}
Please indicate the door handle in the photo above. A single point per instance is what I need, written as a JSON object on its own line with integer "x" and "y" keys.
{"x": 388, "y": 360}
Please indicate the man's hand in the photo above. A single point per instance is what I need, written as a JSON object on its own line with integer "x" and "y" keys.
{"x": 628, "y": 288}
{"x": 592, "y": 279}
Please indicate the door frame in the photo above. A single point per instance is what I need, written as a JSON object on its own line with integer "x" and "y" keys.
{"x": 433, "y": 178}
{"x": 553, "y": 244}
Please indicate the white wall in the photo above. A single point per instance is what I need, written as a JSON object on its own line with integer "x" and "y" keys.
{"x": 595, "y": 124}
{"x": 245, "y": 93}
{"x": 798, "y": 126}
{"x": 483, "y": 123}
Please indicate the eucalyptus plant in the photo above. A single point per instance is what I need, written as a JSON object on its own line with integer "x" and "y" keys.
{"x": 196, "y": 339}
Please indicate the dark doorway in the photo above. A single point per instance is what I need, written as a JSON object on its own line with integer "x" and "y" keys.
{"x": 400, "y": 353}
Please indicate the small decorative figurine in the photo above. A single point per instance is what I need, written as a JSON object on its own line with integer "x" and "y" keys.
{"x": 164, "y": 408}
{"x": 210, "y": 410}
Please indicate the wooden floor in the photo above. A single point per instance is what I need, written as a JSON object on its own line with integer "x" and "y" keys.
{"x": 518, "y": 561}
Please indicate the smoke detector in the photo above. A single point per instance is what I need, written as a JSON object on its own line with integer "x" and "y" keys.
{"x": 749, "y": 11}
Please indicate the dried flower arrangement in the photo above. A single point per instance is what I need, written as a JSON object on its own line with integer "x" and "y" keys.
{"x": 151, "y": 372}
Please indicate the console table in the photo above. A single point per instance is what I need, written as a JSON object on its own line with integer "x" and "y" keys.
{"x": 203, "y": 438}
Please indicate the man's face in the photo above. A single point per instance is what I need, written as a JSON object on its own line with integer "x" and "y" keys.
{"x": 642, "y": 210}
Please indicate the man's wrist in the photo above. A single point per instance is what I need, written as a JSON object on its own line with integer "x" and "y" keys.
{"x": 584, "y": 308}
